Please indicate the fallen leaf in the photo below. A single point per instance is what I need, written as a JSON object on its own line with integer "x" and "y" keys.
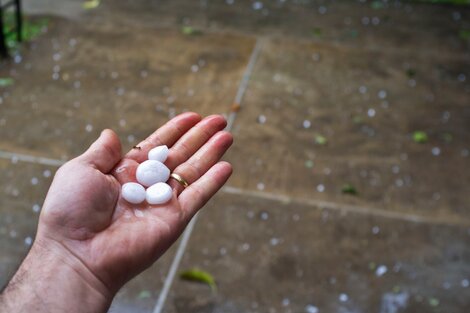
{"x": 235, "y": 107}
{"x": 377, "y": 5}
{"x": 357, "y": 119}
{"x": 464, "y": 34}
{"x": 190, "y": 31}
{"x": 433, "y": 302}
{"x": 144, "y": 294}
{"x": 91, "y": 4}
{"x": 316, "y": 32}
{"x": 410, "y": 73}
{"x": 320, "y": 140}
{"x": 6, "y": 81}
{"x": 420, "y": 136}
{"x": 200, "y": 276}
{"x": 349, "y": 189}
{"x": 447, "y": 137}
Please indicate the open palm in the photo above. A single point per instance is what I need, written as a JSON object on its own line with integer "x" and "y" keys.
{"x": 85, "y": 216}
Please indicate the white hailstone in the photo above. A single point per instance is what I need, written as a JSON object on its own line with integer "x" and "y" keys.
{"x": 151, "y": 172}
{"x": 133, "y": 193}
{"x": 28, "y": 241}
{"x": 343, "y": 297}
{"x": 382, "y": 94}
{"x": 311, "y": 309}
{"x": 258, "y": 5}
{"x": 159, "y": 193}
{"x": 436, "y": 151}
{"x": 36, "y": 208}
{"x": 159, "y": 153}
{"x": 47, "y": 173}
{"x": 381, "y": 270}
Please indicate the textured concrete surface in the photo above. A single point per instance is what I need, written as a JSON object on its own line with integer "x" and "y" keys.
{"x": 270, "y": 256}
{"x": 282, "y": 237}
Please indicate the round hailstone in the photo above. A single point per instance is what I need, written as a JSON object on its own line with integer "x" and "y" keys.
{"x": 133, "y": 193}
{"x": 159, "y": 193}
{"x": 151, "y": 172}
{"x": 159, "y": 153}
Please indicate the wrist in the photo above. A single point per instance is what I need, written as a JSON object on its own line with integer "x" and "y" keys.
{"x": 52, "y": 279}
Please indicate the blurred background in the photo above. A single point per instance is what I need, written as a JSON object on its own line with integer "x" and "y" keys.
{"x": 351, "y": 121}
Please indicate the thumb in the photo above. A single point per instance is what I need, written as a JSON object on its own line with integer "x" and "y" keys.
{"x": 105, "y": 152}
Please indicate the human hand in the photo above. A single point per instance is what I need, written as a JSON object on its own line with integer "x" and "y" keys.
{"x": 104, "y": 239}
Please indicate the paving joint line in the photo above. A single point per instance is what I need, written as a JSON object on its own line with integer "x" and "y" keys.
{"x": 30, "y": 158}
{"x": 242, "y": 87}
{"x": 344, "y": 207}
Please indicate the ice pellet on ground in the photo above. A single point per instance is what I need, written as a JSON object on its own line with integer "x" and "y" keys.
{"x": 311, "y": 309}
{"x": 133, "y": 193}
{"x": 465, "y": 283}
{"x": 151, "y": 172}
{"x": 159, "y": 193}
{"x": 381, "y": 270}
{"x": 343, "y": 297}
{"x": 159, "y": 153}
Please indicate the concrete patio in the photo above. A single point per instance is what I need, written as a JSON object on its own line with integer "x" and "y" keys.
{"x": 336, "y": 90}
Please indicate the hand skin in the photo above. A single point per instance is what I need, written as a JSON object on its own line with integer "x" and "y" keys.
{"x": 90, "y": 241}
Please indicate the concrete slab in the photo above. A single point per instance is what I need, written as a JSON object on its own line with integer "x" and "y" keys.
{"x": 363, "y": 106}
{"x": 268, "y": 256}
{"x": 375, "y": 25}
{"x": 131, "y": 81}
{"x": 126, "y": 65}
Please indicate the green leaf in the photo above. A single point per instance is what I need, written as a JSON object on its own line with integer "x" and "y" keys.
{"x": 309, "y": 164}
{"x": 320, "y": 140}
{"x": 144, "y": 294}
{"x": 453, "y": 2}
{"x": 91, "y": 4}
{"x": 377, "y": 5}
{"x": 316, "y": 32}
{"x": 6, "y": 81}
{"x": 349, "y": 189}
{"x": 357, "y": 119}
{"x": 447, "y": 137}
{"x": 464, "y": 34}
{"x": 200, "y": 276}
{"x": 354, "y": 33}
{"x": 420, "y": 136}
{"x": 433, "y": 301}
{"x": 410, "y": 73}
{"x": 190, "y": 31}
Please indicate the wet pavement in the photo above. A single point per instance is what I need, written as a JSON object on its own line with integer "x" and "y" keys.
{"x": 333, "y": 206}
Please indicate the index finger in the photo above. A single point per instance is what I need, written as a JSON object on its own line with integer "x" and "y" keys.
{"x": 168, "y": 134}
